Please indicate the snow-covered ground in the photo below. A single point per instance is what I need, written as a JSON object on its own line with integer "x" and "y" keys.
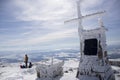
{"x": 12, "y": 71}
{"x": 10, "y": 65}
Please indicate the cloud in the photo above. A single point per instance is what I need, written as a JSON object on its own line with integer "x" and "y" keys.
{"x": 91, "y": 3}
{"x": 42, "y": 10}
{"x": 113, "y": 42}
{"x": 42, "y": 21}
{"x": 51, "y": 37}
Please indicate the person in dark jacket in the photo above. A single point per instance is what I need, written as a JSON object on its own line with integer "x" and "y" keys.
{"x": 22, "y": 66}
{"x": 30, "y": 64}
{"x": 26, "y": 60}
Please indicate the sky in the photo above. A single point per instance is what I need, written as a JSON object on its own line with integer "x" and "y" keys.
{"x": 39, "y": 24}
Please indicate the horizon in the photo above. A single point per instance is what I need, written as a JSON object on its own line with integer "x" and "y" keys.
{"x": 109, "y": 48}
{"x": 39, "y": 25}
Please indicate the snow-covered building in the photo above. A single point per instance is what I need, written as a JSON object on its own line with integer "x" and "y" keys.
{"x": 93, "y": 62}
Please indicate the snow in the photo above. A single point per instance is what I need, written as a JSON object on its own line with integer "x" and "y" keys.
{"x": 118, "y": 59}
{"x": 117, "y": 72}
{"x": 62, "y": 55}
{"x": 12, "y": 71}
{"x": 70, "y": 64}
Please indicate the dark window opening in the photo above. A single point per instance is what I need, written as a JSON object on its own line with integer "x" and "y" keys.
{"x": 90, "y": 47}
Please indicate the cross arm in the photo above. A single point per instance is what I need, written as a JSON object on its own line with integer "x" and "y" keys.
{"x": 86, "y": 17}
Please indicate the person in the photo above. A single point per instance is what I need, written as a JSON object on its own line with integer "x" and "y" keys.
{"x": 22, "y": 66}
{"x": 30, "y": 64}
{"x": 26, "y": 60}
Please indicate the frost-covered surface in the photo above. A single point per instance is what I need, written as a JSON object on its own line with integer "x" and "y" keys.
{"x": 117, "y": 72}
{"x": 52, "y": 70}
{"x": 13, "y": 72}
{"x": 91, "y": 68}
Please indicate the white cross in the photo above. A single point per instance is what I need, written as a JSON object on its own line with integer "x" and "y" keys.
{"x": 79, "y": 20}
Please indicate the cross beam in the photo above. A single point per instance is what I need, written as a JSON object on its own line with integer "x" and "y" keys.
{"x": 86, "y": 16}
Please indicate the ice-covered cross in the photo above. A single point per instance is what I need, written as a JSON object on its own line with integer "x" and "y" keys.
{"x": 80, "y": 17}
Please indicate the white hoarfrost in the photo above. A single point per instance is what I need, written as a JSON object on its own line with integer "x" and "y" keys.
{"x": 14, "y": 72}
{"x": 49, "y": 71}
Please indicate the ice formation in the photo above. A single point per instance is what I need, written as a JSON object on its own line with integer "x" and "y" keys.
{"x": 48, "y": 72}
{"x": 93, "y": 62}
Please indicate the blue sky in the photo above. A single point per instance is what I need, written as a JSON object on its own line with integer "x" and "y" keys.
{"x": 39, "y": 24}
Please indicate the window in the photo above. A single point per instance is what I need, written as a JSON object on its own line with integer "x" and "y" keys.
{"x": 90, "y": 47}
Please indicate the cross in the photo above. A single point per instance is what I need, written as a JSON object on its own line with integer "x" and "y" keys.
{"x": 79, "y": 20}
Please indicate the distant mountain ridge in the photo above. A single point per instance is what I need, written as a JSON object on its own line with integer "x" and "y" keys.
{"x": 36, "y": 55}
{"x": 17, "y": 56}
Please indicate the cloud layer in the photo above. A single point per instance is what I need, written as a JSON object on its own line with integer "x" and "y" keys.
{"x": 40, "y": 23}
